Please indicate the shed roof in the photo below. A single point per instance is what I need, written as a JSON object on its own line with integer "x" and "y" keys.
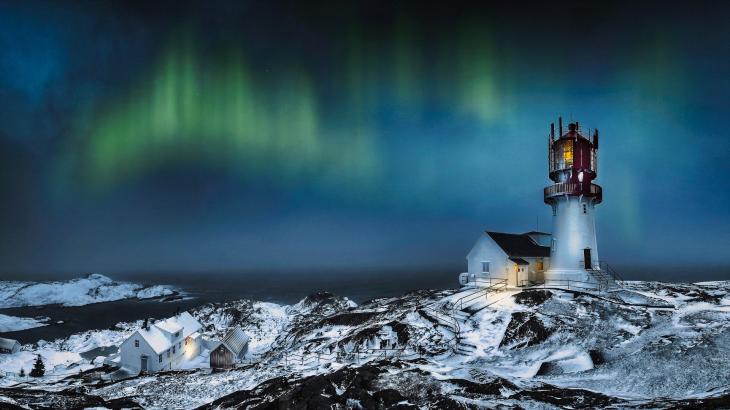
{"x": 517, "y": 245}
{"x": 519, "y": 261}
{"x": 8, "y": 343}
{"x": 236, "y": 340}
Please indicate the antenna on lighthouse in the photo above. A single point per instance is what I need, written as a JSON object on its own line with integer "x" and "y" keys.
{"x": 552, "y": 130}
{"x": 595, "y": 138}
{"x": 560, "y": 126}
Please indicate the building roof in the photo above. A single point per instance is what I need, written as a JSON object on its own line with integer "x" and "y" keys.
{"x": 236, "y": 340}
{"x": 156, "y": 338}
{"x": 519, "y": 261}
{"x": 519, "y": 245}
{"x": 169, "y": 325}
{"x": 157, "y": 334}
{"x": 536, "y": 233}
{"x": 8, "y": 343}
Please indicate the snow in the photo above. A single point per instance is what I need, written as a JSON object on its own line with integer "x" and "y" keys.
{"x": 93, "y": 288}
{"x": 597, "y": 343}
{"x": 12, "y": 323}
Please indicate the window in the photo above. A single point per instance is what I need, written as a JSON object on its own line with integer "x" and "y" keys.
{"x": 555, "y": 210}
{"x": 136, "y": 342}
{"x": 485, "y": 267}
{"x": 159, "y": 358}
{"x": 568, "y": 154}
{"x": 186, "y": 341}
{"x": 584, "y": 208}
{"x": 177, "y": 335}
{"x": 555, "y": 243}
{"x": 173, "y": 349}
{"x": 168, "y": 353}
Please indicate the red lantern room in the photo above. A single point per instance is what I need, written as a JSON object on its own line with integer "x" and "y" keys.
{"x": 573, "y": 163}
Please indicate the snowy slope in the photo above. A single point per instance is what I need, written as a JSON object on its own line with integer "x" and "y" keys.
{"x": 93, "y": 288}
{"x": 654, "y": 345}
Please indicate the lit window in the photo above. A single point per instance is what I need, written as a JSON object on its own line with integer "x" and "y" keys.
{"x": 568, "y": 154}
{"x": 485, "y": 267}
{"x": 580, "y": 176}
{"x": 136, "y": 343}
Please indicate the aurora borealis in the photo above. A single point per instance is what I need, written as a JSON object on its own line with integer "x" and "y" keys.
{"x": 219, "y": 135}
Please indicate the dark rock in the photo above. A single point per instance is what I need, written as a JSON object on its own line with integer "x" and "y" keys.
{"x": 348, "y": 319}
{"x": 523, "y": 330}
{"x": 597, "y": 357}
{"x": 533, "y": 297}
{"x": 66, "y": 399}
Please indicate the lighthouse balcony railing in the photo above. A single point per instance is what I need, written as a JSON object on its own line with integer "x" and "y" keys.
{"x": 573, "y": 188}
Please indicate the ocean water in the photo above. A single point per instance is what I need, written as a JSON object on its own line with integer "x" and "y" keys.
{"x": 278, "y": 287}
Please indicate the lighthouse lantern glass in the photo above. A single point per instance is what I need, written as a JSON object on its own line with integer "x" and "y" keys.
{"x": 568, "y": 155}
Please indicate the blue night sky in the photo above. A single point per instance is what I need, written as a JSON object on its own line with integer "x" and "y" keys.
{"x": 285, "y": 135}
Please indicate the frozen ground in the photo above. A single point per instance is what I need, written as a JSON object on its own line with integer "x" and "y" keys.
{"x": 654, "y": 345}
{"x": 93, "y": 288}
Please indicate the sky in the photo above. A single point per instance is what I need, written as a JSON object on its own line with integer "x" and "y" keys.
{"x": 291, "y": 136}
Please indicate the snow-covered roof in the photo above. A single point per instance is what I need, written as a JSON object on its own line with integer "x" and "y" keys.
{"x": 156, "y": 338}
{"x": 8, "y": 343}
{"x": 169, "y": 325}
{"x": 157, "y": 334}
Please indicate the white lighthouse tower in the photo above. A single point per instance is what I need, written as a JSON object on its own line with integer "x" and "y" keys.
{"x": 573, "y": 165}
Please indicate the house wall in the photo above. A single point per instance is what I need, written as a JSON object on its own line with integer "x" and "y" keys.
{"x": 130, "y": 356}
{"x": 191, "y": 347}
{"x": 485, "y": 249}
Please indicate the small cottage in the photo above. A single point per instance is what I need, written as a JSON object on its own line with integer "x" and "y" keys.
{"x": 162, "y": 345}
{"x": 231, "y": 350}
{"x": 521, "y": 259}
{"x": 9, "y": 346}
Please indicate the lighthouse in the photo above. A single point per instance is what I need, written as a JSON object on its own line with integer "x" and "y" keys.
{"x": 573, "y": 165}
{"x": 567, "y": 257}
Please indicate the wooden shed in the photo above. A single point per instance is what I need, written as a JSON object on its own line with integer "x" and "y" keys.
{"x": 230, "y": 350}
{"x": 9, "y": 346}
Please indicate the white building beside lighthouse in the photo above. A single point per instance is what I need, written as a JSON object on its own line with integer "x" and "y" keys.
{"x": 569, "y": 256}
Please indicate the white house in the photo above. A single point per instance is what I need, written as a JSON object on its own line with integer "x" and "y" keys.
{"x": 163, "y": 345}
{"x": 521, "y": 259}
{"x": 9, "y": 346}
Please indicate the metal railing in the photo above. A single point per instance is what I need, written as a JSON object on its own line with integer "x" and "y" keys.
{"x": 573, "y": 188}
{"x": 491, "y": 285}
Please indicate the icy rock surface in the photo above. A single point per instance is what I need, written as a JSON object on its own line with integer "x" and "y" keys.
{"x": 13, "y": 323}
{"x": 93, "y": 288}
{"x": 650, "y": 345}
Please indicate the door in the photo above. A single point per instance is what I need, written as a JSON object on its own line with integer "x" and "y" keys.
{"x": 143, "y": 364}
{"x": 587, "y": 259}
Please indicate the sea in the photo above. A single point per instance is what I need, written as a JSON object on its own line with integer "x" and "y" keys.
{"x": 287, "y": 287}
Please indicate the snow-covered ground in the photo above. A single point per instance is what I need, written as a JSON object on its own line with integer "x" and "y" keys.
{"x": 12, "y": 323}
{"x": 651, "y": 344}
{"x": 93, "y": 288}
